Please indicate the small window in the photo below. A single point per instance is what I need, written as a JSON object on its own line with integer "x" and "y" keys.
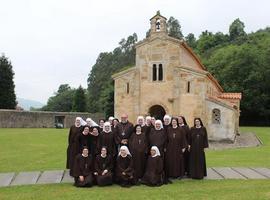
{"x": 154, "y": 72}
{"x": 127, "y": 88}
{"x": 216, "y": 116}
{"x": 188, "y": 87}
{"x": 160, "y": 72}
{"x": 158, "y": 25}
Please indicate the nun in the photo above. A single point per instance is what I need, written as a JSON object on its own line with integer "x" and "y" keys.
{"x": 124, "y": 171}
{"x": 111, "y": 120}
{"x": 153, "y": 175}
{"x": 106, "y": 138}
{"x": 153, "y": 120}
{"x": 83, "y": 140}
{"x": 90, "y": 122}
{"x": 101, "y": 124}
{"x": 158, "y": 137}
{"x": 74, "y": 131}
{"x": 167, "y": 122}
{"x": 103, "y": 168}
{"x": 176, "y": 145}
{"x": 183, "y": 125}
{"x": 83, "y": 169}
{"x": 198, "y": 142}
{"x": 138, "y": 146}
{"x": 148, "y": 125}
{"x": 94, "y": 137}
{"x": 141, "y": 122}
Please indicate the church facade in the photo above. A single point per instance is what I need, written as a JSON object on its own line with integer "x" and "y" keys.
{"x": 169, "y": 78}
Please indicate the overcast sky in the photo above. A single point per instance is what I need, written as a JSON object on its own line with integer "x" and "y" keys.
{"x": 52, "y": 42}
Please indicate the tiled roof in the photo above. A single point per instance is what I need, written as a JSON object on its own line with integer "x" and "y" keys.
{"x": 230, "y": 95}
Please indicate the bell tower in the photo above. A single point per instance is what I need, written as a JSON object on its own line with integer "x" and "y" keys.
{"x": 158, "y": 25}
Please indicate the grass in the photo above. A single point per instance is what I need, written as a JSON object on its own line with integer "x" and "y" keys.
{"x": 32, "y": 149}
{"x": 189, "y": 189}
{"x": 44, "y": 149}
{"x": 244, "y": 157}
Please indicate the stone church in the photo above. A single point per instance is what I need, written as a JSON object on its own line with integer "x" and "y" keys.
{"x": 169, "y": 78}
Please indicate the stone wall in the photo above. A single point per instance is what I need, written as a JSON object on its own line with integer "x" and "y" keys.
{"x": 40, "y": 119}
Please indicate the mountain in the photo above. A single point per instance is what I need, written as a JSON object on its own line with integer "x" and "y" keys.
{"x": 27, "y": 103}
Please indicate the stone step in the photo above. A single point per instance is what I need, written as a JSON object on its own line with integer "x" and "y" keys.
{"x": 248, "y": 173}
{"x": 263, "y": 171}
{"x": 54, "y": 176}
{"x": 213, "y": 175}
{"x": 25, "y": 178}
{"x": 67, "y": 178}
{"x": 6, "y": 178}
{"x": 228, "y": 173}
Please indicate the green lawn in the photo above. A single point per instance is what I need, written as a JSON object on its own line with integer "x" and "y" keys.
{"x": 189, "y": 189}
{"x": 32, "y": 149}
{"x": 245, "y": 157}
{"x": 42, "y": 149}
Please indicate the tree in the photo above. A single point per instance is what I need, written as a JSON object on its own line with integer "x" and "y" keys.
{"x": 236, "y": 30}
{"x": 79, "y": 102}
{"x": 7, "y": 86}
{"x": 174, "y": 28}
{"x": 62, "y": 101}
{"x": 107, "y": 64}
{"x": 191, "y": 40}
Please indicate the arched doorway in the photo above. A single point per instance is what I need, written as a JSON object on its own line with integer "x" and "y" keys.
{"x": 157, "y": 111}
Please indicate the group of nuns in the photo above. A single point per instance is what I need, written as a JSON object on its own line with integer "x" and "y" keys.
{"x": 152, "y": 152}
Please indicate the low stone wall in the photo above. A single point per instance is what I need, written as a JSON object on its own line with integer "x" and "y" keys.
{"x": 41, "y": 119}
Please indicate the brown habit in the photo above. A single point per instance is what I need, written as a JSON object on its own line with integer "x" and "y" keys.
{"x": 72, "y": 147}
{"x": 174, "y": 161}
{"x": 153, "y": 175}
{"x": 102, "y": 164}
{"x": 83, "y": 166}
{"x": 198, "y": 141}
{"x": 138, "y": 147}
{"x": 124, "y": 164}
{"x": 107, "y": 140}
{"x": 158, "y": 138}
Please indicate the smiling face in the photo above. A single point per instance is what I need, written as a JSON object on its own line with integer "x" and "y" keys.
{"x": 180, "y": 120}
{"x": 197, "y": 123}
{"x": 107, "y": 128}
{"x": 104, "y": 151}
{"x": 153, "y": 152}
{"x": 138, "y": 129}
{"x": 167, "y": 121}
{"x": 85, "y": 152}
{"x": 174, "y": 122}
{"x": 78, "y": 122}
{"x": 153, "y": 120}
{"x": 123, "y": 152}
{"x": 95, "y": 131}
{"x": 101, "y": 123}
{"x": 158, "y": 126}
{"x": 140, "y": 121}
{"x": 148, "y": 121}
{"x": 86, "y": 130}
{"x": 115, "y": 122}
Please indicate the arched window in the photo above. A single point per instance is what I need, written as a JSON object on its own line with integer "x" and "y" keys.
{"x": 160, "y": 72}
{"x": 216, "y": 116}
{"x": 154, "y": 72}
